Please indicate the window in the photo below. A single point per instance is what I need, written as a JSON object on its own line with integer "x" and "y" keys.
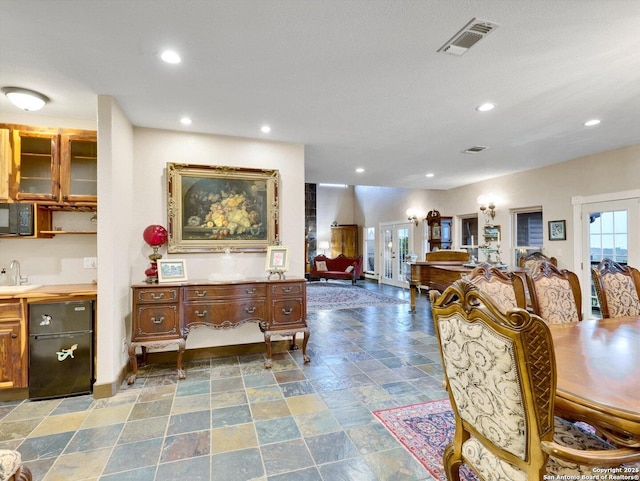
{"x": 469, "y": 235}
{"x": 528, "y": 232}
{"x": 369, "y": 249}
{"x": 608, "y": 236}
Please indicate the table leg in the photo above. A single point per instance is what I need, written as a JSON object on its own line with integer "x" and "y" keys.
{"x": 413, "y": 290}
{"x": 267, "y": 340}
{"x": 182, "y": 343}
{"x": 134, "y": 363}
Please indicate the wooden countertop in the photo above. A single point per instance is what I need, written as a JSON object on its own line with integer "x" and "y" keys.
{"x": 53, "y": 291}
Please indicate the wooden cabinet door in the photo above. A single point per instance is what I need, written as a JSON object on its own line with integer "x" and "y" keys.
{"x": 344, "y": 240}
{"x": 5, "y": 163}
{"x": 12, "y": 370}
{"x": 79, "y": 168}
{"x": 36, "y": 166}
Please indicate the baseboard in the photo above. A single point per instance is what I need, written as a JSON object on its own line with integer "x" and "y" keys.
{"x": 110, "y": 389}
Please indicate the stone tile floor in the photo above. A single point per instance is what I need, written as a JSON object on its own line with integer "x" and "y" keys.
{"x": 232, "y": 420}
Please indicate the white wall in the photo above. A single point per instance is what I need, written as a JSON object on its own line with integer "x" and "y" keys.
{"x": 333, "y": 204}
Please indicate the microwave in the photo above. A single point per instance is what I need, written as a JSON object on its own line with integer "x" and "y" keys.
{"x": 16, "y": 219}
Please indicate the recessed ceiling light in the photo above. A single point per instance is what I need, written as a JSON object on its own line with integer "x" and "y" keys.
{"x": 591, "y": 123}
{"x": 170, "y": 56}
{"x": 429, "y": 175}
{"x": 485, "y": 107}
{"x": 265, "y": 129}
{"x": 359, "y": 170}
{"x": 185, "y": 121}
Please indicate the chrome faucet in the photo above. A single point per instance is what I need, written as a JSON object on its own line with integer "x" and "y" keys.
{"x": 18, "y": 279}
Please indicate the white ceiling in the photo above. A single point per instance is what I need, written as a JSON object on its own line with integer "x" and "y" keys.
{"x": 359, "y": 82}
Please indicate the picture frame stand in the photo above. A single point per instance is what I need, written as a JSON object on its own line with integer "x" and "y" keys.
{"x": 277, "y": 272}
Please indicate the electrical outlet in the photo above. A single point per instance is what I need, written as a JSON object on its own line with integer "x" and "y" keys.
{"x": 90, "y": 262}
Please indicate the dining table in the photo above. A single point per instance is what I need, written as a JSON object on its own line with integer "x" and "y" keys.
{"x": 598, "y": 375}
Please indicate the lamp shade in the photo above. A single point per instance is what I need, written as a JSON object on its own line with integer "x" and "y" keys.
{"x": 155, "y": 235}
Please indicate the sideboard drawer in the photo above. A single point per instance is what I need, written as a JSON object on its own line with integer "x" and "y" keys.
{"x": 169, "y": 294}
{"x": 209, "y": 292}
{"x": 288, "y": 290}
{"x": 156, "y": 322}
{"x": 287, "y": 313}
{"x": 224, "y": 314}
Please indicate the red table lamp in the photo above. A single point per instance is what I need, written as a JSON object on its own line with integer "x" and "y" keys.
{"x": 155, "y": 236}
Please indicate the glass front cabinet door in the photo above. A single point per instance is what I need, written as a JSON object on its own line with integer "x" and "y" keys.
{"x": 79, "y": 168}
{"x": 35, "y": 166}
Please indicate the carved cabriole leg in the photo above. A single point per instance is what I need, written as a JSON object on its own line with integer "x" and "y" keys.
{"x": 267, "y": 340}
{"x": 182, "y": 343}
{"x": 412, "y": 291}
{"x": 134, "y": 363}
{"x": 305, "y": 339}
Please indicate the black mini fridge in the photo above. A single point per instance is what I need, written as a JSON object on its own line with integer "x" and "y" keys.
{"x": 60, "y": 349}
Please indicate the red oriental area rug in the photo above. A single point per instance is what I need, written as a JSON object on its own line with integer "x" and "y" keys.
{"x": 425, "y": 430}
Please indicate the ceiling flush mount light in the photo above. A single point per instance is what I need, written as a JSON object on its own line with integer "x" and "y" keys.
{"x": 591, "y": 123}
{"x": 359, "y": 170}
{"x": 170, "y": 56}
{"x": 429, "y": 175}
{"x": 265, "y": 129}
{"x": 185, "y": 121}
{"x": 485, "y": 107}
{"x": 25, "y": 99}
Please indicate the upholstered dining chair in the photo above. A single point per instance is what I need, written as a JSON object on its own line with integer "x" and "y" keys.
{"x": 506, "y": 289}
{"x": 500, "y": 372}
{"x": 535, "y": 258}
{"x": 617, "y": 288}
{"x": 11, "y": 468}
{"x": 555, "y": 294}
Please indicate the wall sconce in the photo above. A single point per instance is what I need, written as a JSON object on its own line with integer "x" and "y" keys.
{"x": 414, "y": 216}
{"x": 487, "y": 206}
{"x": 25, "y": 99}
{"x": 323, "y": 245}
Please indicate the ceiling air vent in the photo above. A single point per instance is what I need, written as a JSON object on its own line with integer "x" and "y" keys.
{"x": 475, "y": 149}
{"x": 468, "y": 36}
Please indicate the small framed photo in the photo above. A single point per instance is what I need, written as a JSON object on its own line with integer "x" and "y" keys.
{"x": 277, "y": 258}
{"x": 172, "y": 270}
{"x": 557, "y": 230}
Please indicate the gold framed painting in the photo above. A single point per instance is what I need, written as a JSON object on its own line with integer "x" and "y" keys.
{"x": 214, "y": 208}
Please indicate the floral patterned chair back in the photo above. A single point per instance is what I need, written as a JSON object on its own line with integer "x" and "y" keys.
{"x": 617, "y": 288}
{"x": 506, "y": 289}
{"x": 500, "y": 373}
{"x": 555, "y": 294}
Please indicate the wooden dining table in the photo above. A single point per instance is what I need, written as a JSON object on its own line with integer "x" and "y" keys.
{"x": 598, "y": 375}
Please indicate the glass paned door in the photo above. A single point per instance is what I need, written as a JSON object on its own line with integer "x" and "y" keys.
{"x": 396, "y": 245}
{"x": 609, "y": 232}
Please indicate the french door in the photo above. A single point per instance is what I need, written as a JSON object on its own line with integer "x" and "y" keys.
{"x": 609, "y": 230}
{"x": 396, "y": 243}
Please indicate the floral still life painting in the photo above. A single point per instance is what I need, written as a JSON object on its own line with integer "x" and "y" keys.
{"x": 214, "y": 208}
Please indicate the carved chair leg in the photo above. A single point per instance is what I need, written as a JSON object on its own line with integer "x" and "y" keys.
{"x": 451, "y": 463}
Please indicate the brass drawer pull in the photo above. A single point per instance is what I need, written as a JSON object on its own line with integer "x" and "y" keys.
{"x": 201, "y": 314}
{"x": 200, "y": 293}
{"x": 251, "y": 291}
{"x": 287, "y": 289}
{"x": 157, "y": 296}
{"x": 160, "y": 320}
{"x": 286, "y": 312}
{"x": 250, "y": 310}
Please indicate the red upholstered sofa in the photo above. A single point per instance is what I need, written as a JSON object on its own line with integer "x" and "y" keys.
{"x": 342, "y": 267}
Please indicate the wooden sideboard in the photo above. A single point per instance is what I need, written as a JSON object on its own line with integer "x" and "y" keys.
{"x": 164, "y": 314}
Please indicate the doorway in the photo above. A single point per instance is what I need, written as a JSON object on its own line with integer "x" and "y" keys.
{"x": 610, "y": 229}
{"x": 397, "y": 243}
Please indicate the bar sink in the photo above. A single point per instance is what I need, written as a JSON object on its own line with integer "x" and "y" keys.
{"x": 9, "y": 290}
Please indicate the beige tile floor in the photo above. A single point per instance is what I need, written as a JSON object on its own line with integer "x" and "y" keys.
{"x": 232, "y": 420}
